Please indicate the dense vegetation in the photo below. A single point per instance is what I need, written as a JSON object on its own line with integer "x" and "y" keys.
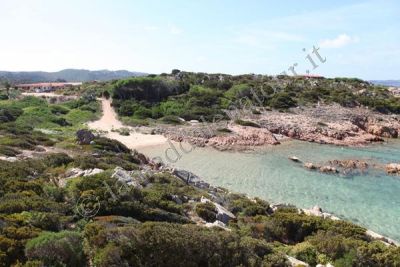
{"x": 39, "y": 225}
{"x": 149, "y": 224}
{"x": 203, "y": 96}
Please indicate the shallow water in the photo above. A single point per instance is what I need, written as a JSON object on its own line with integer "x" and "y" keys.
{"x": 371, "y": 200}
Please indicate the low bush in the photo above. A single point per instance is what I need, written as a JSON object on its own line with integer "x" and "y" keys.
{"x": 305, "y": 252}
{"x": 8, "y": 151}
{"x": 10, "y": 113}
{"x": 206, "y": 211}
{"x": 57, "y": 249}
{"x": 282, "y": 100}
{"x": 197, "y": 246}
{"x": 248, "y": 207}
{"x": 58, "y": 110}
{"x": 57, "y": 159}
{"x": 105, "y": 144}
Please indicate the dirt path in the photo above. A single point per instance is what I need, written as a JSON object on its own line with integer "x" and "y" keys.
{"x": 109, "y": 121}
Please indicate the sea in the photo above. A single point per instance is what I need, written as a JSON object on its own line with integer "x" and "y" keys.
{"x": 370, "y": 199}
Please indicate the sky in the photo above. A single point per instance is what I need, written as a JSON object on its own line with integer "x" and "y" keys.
{"x": 352, "y": 38}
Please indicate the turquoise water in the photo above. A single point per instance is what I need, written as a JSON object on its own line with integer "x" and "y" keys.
{"x": 371, "y": 200}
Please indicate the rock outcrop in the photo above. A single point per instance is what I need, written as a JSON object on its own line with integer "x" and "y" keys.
{"x": 132, "y": 178}
{"x": 350, "y": 164}
{"x": 393, "y": 168}
{"x": 317, "y": 211}
{"x": 77, "y": 172}
{"x": 310, "y": 166}
{"x": 294, "y": 158}
{"x": 328, "y": 169}
{"x": 84, "y": 137}
{"x": 223, "y": 215}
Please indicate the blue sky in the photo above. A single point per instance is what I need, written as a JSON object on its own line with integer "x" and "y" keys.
{"x": 357, "y": 38}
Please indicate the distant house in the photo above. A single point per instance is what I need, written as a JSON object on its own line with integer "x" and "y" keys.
{"x": 44, "y": 87}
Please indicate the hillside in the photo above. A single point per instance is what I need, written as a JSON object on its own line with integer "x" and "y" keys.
{"x": 395, "y": 83}
{"x": 69, "y": 197}
{"x": 69, "y": 75}
{"x": 201, "y": 96}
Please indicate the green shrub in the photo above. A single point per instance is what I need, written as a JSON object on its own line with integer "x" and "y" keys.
{"x": 58, "y": 110}
{"x": 142, "y": 113}
{"x": 276, "y": 260}
{"x": 282, "y": 100}
{"x": 249, "y": 207}
{"x": 57, "y": 159}
{"x": 134, "y": 121}
{"x": 305, "y": 252}
{"x": 206, "y": 211}
{"x": 8, "y": 151}
{"x": 145, "y": 88}
{"x": 172, "y": 107}
{"x": 329, "y": 243}
{"x": 106, "y": 144}
{"x": 197, "y": 246}
{"x": 57, "y": 249}
{"x": 8, "y": 114}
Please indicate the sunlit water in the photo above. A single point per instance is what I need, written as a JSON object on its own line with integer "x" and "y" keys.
{"x": 371, "y": 200}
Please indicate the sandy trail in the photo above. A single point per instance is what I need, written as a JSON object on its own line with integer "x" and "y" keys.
{"x": 109, "y": 121}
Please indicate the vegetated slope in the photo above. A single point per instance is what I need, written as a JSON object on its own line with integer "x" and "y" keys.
{"x": 204, "y": 96}
{"x": 69, "y": 75}
{"x": 128, "y": 211}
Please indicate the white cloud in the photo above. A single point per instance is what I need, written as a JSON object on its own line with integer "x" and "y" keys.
{"x": 340, "y": 41}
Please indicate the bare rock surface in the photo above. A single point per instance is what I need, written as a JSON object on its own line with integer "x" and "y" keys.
{"x": 325, "y": 124}
{"x": 393, "y": 168}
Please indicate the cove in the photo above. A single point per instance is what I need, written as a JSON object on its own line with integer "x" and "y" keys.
{"x": 371, "y": 200}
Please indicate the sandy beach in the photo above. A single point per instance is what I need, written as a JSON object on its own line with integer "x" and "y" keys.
{"x": 109, "y": 121}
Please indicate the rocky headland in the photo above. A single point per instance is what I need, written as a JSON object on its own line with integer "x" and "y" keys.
{"x": 328, "y": 124}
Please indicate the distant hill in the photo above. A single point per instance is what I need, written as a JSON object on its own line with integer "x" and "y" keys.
{"x": 69, "y": 75}
{"x": 395, "y": 83}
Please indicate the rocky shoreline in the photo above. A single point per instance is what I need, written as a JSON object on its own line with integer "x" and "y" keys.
{"x": 216, "y": 195}
{"x": 348, "y": 167}
{"x": 329, "y": 124}
{"x": 196, "y": 181}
